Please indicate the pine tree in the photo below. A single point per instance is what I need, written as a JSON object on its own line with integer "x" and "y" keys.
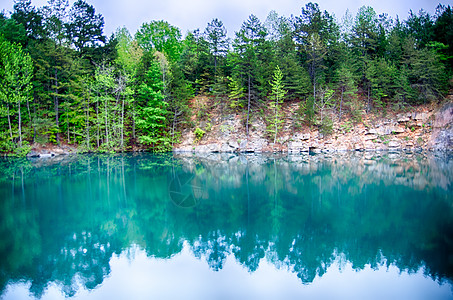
{"x": 85, "y": 27}
{"x": 277, "y": 96}
{"x": 249, "y": 46}
{"x": 346, "y": 85}
{"x": 425, "y": 72}
{"x": 381, "y": 76}
{"x": 216, "y": 36}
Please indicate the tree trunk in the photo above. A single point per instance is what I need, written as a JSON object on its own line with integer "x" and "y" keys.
{"x": 248, "y": 110}
{"x": 314, "y": 94}
{"x": 98, "y": 121}
{"x": 29, "y": 114}
{"x": 57, "y": 135}
{"x": 276, "y": 119}
{"x": 369, "y": 100}
{"x": 67, "y": 124}
{"x": 106, "y": 123}
{"x": 122, "y": 124}
{"x": 341, "y": 102}
{"x": 34, "y": 116}
{"x": 133, "y": 121}
{"x": 9, "y": 124}
{"x": 215, "y": 66}
{"x": 20, "y": 124}
{"x": 88, "y": 123}
{"x": 173, "y": 129}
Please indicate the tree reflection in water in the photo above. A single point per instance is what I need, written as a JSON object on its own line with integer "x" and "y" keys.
{"x": 62, "y": 220}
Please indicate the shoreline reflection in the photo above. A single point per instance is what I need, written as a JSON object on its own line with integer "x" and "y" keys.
{"x": 135, "y": 275}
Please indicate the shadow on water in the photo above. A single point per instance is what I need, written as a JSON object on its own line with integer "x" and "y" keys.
{"x": 62, "y": 220}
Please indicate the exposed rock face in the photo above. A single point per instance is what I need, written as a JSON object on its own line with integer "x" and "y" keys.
{"x": 421, "y": 129}
{"x": 394, "y": 144}
{"x": 442, "y": 136}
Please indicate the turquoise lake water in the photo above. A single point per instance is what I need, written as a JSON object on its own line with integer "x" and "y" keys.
{"x": 225, "y": 226}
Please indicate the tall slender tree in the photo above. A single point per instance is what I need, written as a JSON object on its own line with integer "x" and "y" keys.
{"x": 85, "y": 27}
{"x": 277, "y": 96}
{"x": 248, "y": 44}
{"x": 216, "y": 36}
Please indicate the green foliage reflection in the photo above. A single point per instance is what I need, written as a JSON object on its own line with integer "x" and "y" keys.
{"x": 61, "y": 220}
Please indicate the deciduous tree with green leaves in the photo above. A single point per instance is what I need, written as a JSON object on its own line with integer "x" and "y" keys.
{"x": 160, "y": 36}
{"x": 16, "y": 70}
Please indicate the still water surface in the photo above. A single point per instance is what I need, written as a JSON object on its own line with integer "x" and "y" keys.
{"x": 349, "y": 226}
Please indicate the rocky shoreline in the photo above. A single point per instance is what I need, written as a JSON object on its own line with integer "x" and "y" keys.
{"x": 418, "y": 131}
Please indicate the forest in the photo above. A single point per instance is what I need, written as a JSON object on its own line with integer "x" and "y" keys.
{"x": 63, "y": 81}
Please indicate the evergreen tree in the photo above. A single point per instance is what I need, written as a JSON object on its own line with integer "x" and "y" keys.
{"x": 277, "y": 96}
{"x": 364, "y": 41}
{"x": 347, "y": 86}
{"x": 248, "y": 46}
{"x": 382, "y": 77}
{"x": 296, "y": 77}
{"x": 426, "y": 73}
{"x": 313, "y": 21}
{"x": 31, "y": 19}
{"x": 178, "y": 106}
{"x": 365, "y": 32}
{"x": 316, "y": 53}
{"x": 443, "y": 33}
{"x": 85, "y": 27}
{"x": 420, "y": 27}
{"x": 152, "y": 116}
{"x": 216, "y": 36}
{"x": 55, "y": 20}
{"x": 195, "y": 61}
{"x": 12, "y": 31}
{"x": 237, "y": 93}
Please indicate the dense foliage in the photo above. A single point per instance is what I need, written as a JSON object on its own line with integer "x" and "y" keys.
{"x": 63, "y": 81}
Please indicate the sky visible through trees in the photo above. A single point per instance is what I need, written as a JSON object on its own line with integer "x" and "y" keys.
{"x": 63, "y": 81}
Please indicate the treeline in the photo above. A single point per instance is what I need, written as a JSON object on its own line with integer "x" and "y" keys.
{"x": 63, "y": 81}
